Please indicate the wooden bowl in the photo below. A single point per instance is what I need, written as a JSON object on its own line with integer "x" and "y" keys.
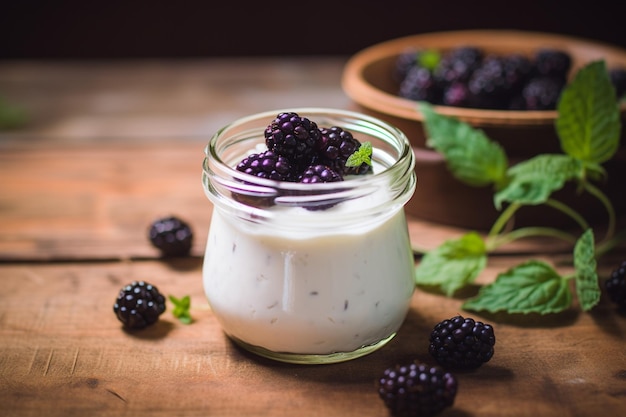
{"x": 367, "y": 80}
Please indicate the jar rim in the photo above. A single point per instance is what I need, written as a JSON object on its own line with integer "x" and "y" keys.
{"x": 220, "y": 176}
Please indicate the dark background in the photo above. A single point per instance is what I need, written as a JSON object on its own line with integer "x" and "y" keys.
{"x": 70, "y": 29}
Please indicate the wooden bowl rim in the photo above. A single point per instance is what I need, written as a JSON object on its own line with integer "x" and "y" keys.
{"x": 359, "y": 89}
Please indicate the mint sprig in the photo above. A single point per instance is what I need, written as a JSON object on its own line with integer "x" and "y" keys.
{"x": 470, "y": 155}
{"x": 588, "y": 126}
{"x": 454, "y": 264}
{"x": 182, "y": 307}
{"x": 361, "y": 156}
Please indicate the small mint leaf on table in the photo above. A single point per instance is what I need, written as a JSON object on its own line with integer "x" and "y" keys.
{"x": 587, "y": 287}
{"x": 181, "y": 308}
{"x": 453, "y": 264}
{"x": 470, "y": 155}
{"x": 588, "y": 122}
{"x": 531, "y": 287}
{"x": 361, "y": 156}
{"x": 534, "y": 180}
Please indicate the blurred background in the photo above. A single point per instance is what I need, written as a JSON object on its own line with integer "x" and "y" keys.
{"x": 73, "y": 29}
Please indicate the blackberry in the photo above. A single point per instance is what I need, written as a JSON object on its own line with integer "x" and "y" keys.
{"x": 268, "y": 165}
{"x": 618, "y": 79}
{"x": 138, "y": 305}
{"x": 293, "y": 137}
{"x": 458, "y": 65}
{"x": 488, "y": 84}
{"x": 420, "y": 85}
{"x": 457, "y": 95}
{"x": 404, "y": 62}
{"x": 615, "y": 286}
{"x": 553, "y": 63}
{"x": 462, "y": 343}
{"x": 335, "y": 146}
{"x": 171, "y": 235}
{"x": 518, "y": 69}
{"x": 542, "y": 93}
{"x": 417, "y": 390}
{"x": 319, "y": 173}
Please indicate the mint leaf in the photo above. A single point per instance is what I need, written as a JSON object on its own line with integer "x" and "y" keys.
{"x": 429, "y": 59}
{"x": 470, "y": 155}
{"x": 453, "y": 264}
{"x": 534, "y": 180}
{"x": 587, "y": 287}
{"x": 181, "y": 308}
{"x": 588, "y": 122}
{"x": 532, "y": 287}
{"x": 363, "y": 155}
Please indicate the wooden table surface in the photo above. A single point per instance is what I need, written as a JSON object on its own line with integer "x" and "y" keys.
{"x": 109, "y": 147}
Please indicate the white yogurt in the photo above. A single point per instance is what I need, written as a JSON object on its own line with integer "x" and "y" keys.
{"x": 314, "y": 294}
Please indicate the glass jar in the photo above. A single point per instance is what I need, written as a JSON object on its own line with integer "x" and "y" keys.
{"x": 309, "y": 273}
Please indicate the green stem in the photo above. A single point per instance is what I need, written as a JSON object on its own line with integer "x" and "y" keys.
{"x": 596, "y": 192}
{"x": 564, "y": 208}
{"x": 531, "y": 231}
{"x": 502, "y": 220}
{"x": 608, "y": 244}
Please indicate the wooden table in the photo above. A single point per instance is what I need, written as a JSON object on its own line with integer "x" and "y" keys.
{"x": 112, "y": 146}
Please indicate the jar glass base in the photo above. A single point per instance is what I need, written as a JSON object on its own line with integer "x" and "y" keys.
{"x": 312, "y": 359}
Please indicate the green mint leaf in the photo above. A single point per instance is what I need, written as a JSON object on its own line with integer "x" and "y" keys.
{"x": 453, "y": 264}
{"x": 429, "y": 59}
{"x": 532, "y": 287}
{"x": 181, "y": 308}
{"x": 363, "y": 155}
{"x": 587, "y": 287}
{"x": 588, "y": 122}
{"x": 470, "y": 155}
{"x": 534, "y": 180}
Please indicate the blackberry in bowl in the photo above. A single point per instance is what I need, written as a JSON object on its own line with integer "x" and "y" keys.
{"x": 497, "y": 98}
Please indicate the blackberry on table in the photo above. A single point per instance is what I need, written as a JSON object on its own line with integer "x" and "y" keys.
{"x": 171, "y": 235}
{"x": 138, "y": 305}
{"x": 267, "y": 165}
{"x": 293, "y": 137}
{"x": 615, "y": 286}
{"x": 417, "y": 390}
{"x": 462, "y": 343}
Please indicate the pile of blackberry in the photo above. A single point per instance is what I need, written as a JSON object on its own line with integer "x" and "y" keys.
{"x": 298, "y": 150}
{"x": 468, "y": 76}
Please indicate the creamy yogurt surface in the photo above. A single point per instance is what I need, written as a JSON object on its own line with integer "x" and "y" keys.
{"x": 311, "y": 293}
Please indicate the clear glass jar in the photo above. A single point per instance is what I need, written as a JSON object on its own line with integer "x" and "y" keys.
{"x": 296, "y": 283}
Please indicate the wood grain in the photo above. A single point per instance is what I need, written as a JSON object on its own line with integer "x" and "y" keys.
{"x": 64, "y": 352}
